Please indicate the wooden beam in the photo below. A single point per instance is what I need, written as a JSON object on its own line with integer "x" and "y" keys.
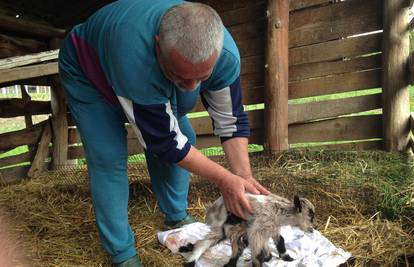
{"x": 22, "y": 73}
{"x": 340, "y": 129}
{"x": 29, "y": 28}
{"x": 299, "y": 113}
{"x": 14, "y": 107}
{"x": 396, "y": 43}
{"x": 276, "y": 76}
{"x": 59, "y": 119}
{"x": 38, "y": 164}
{"x": 338, "y": 49}
{"x": 335, "y": 84}
{"x": 28, "y": 136}
{"x": 335, "y": 21}
{"x": 13, "y": 62}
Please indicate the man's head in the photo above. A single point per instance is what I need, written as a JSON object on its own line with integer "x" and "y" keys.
{"x": 189, "y": 43}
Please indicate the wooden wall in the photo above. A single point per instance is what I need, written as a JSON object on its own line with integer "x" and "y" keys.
{"x": 333, "y": 48}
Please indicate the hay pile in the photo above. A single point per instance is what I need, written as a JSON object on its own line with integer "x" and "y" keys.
{"x": 362, "y": 200}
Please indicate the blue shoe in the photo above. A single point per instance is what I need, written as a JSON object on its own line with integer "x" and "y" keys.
{"x": 169, "y": 225}
{"x": 131, "y": 262}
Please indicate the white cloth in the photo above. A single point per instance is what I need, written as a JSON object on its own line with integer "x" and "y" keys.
{"x": 307, "y": 249}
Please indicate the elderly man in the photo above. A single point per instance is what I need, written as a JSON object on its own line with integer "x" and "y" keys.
{"x": 145, "y": 62}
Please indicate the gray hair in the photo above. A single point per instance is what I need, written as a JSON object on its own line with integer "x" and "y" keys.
{"x": 194, "y": 29}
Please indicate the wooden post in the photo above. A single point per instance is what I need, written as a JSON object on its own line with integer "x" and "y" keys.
{"x": 38, "y": 163}
{"x": 59, "y": 119}
{"x": 26, "y": 97}
{"x": 396, "y": 99}
{"x": 276, "y": 76}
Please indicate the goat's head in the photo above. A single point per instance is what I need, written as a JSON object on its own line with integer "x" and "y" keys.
{"x": 305, "y": 212}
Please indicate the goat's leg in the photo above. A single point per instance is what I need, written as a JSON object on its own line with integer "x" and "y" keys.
{"x": 198, "y": 248}
{"x": 259, "y": 245}
{"x": 281, "y": 248}
{"x": 238, "y": 244}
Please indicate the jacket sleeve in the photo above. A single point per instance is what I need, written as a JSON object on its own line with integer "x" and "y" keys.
{"x": 157, "y": 129}
{"x": 226, "y": 111}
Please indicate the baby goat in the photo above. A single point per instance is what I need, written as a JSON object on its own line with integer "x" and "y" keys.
{"x": 270, "y": 213}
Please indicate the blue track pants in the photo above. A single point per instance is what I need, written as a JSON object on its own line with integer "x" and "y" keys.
{"x": 102, "y": 129}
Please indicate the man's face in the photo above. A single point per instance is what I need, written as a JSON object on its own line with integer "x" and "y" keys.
{"x": 185, "y": 75}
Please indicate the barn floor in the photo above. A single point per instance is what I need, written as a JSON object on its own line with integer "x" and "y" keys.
{"x": 364, "y": 202}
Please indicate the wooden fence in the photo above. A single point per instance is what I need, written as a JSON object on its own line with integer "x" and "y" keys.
{"x": 292, "y": 58}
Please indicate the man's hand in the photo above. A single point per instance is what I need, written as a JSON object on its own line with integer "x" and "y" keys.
{"x": 256, "y": 184}
{"x": 233, "y": 189}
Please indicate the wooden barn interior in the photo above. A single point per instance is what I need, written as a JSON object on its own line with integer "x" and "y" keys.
{"x": 330, "y": 74}
{"x": 291, "y": 55}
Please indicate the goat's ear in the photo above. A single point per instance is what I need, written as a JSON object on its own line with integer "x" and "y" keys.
{"x": 297, "y": 204}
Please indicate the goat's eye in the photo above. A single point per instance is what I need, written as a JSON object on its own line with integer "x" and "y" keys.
{"x": 311, "y": 214}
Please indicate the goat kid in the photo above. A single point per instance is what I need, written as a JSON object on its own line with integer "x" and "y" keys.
{"x": 271, "y": 212}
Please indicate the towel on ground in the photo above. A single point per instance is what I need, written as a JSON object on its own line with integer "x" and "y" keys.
{"x": 307, "y": 249}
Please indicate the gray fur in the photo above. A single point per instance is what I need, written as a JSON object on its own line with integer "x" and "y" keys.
{"x": 270, "y": 213}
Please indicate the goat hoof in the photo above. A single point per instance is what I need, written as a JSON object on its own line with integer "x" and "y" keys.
{"x": 189, "y": 264}
{"x": 188, "y": 248}
{"x": 286, "y": 257}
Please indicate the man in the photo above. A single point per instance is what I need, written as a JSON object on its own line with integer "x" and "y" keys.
{"x": 146, "y": 62}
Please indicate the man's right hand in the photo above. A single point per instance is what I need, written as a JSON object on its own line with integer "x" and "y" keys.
{"x": 233, "y": 190}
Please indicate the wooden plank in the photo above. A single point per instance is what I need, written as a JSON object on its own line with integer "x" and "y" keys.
{"x": 412, "y": 123}
{"x": 29, "y": 28}
{"x": 248, "y": 30}
{"x": 320, "y": 69}
{"x": 243, "y": 15}
{"x": 335, "y": 84}
{"x": 13, "y": 62}
{"x": 28, "y": 136}
{"x": 203, "y": 141}
{"x": 253, "y": 64}
{"x": 16, "y": 159}
{"x": 335, "y": 21}
{"x": 59, "y": 118}
{"x": 13, "y": 175}
{"x": 251, "y": 47}
{"x": 340, "y": 129}
{"x": 300, "y": 4}
{"x": 299, "y": 113}
{"x": 333, "y": 50}
{"x": 226, "y": 5}
{"x": 22, "y": 73}
{"x": 41, "y": 81}
{"x": 276, "y": 76}
{"x": 27, "y": 116}
{"x": 12, "y": 46}
{"x": 14, "y": 107}
{"x": 352, "y": 146}
{"x": 201, "y": 125}
{"x": 38, "y": 164}
{"x": 396, "y": 49}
